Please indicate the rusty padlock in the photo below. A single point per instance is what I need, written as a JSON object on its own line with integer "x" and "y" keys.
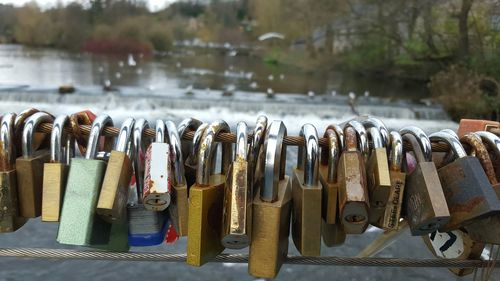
{"x": 468, "y": 193}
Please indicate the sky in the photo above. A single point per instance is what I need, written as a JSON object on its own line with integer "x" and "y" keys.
{"x": 152, "y": 4}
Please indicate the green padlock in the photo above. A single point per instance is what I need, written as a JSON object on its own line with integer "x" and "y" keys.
{"x": 80, "y": 225}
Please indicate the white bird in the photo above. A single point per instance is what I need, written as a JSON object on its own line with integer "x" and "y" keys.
{"x": 310, "y": 94}
{"x": 118, "y": 75}
{"x": 254, "y": 85}
{"x": 334, "y": 93}
{"x": 282, "y": 76}
{"x": 352, "y": 95}
{"x": 270, "y": 77}
{"x": 131, "y": 61}
{"x": 121, "y": 63}
{"x": 367, "y": 94}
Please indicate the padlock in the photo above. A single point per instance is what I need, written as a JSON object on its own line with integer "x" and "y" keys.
{"x": 376, "y": 123}
{"x": 306, "y": 196}
{"x": 455, "y": 244}
{"x": 189, "y": 160}
{"x": 353, "y": 195}
{"x": 55, "y": 173}
{"x": 493, "y": 142}
{"x": 9, "y": 210}
{"x": 256, "y": 146}
{"x": 145, "y": 227}
{"x": 473, "y": 125}
{"x": 271, "y": 208}
{"x": 392, "y": 212}
{"x": 486, "y": 230}
{"x": 79, "y": 223}
{"x": 206, "y": 198}
{"x": 468, "y": 193}
{"x": 29, "y": 168}
{"x": 377, "y": 174}
{"x": 424, "y": 202}
{"x": 112, "y": 202}
{"x": 19, "y": 123}
{"x": 237, "y": 220}
{"x": 362, "y": 138}
{"x": 156, "y": 190}
{"x": 331, "y": 229}
{"x": 179, "y": 206}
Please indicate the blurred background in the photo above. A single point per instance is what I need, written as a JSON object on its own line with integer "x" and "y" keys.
{"x": 419, "y": 62}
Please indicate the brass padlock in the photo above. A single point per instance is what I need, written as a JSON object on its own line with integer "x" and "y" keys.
{"x": 331, "y": 229}
{"x": 377, "y": 173}
{"x": 468, "y": 193}
{"x": 19, "y": 123}
{"x": 55, "y": 173}
{"x": 80, "y": 225}
{"x": 353, "y": 194}
{"x": 10, "y": 220}
{"x": 112, "y": 202}
{"x": 189, "y": 151}
{"x": 145, "y": 227}
{"x": 156, "y": 190}
{"x": 271, "y": 208}
{"x": 206, "y": 198}
{"x": 256, "y": 147}
{"x": 236, "y": 225}
{"x": 30, "y": 168}
{"x": 455, "y": 244}
{"x": 306, "y": 196}
{"x": 485, "y": 230}
{"x": 179, "y": 207}
{"x": 392, "y": 212}
{"x": 424, "y": 202}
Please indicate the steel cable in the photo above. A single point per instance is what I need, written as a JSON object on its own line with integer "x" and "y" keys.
{"x": 239, "y": 258}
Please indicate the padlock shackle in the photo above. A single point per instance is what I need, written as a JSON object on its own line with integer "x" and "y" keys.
{"x": 481, "y": 153}
{"x": 29, "y": 130}
{"x": 361, "y": 136}
{"x": 396, "y": 154}
{"x": 96, "y": 130}
{"x": 208, "y": 150}
{"x": 421, "y": 140}
{"x": 491, "y": 139}
{"x": 187, "y": 125}
{"x": 175, "y": 152}
{"x": 8, "y": 156}
{"x": 376, "y": 137}
{"x": 160, "y": 134}
{"x": 274, "y": 165}
{"x": 21, "y": 119}
{"x": 124, "y": 143}
{"x": 241, "y": 148}
{"x": 308, "y": 155}
{"x": 453, "y": 143}
{"x": 373, "y": 122}
{"x": 195, "y": 146}
{"x": 259, "y": 133}
{"x": 58, "y": 153}
{"x": 450, "y": 132}
{"x": 140, "y": 146}
{"x": 340, "y": 135}
{"x": 330, "y": 155}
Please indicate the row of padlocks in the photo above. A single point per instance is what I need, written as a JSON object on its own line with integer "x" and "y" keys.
{"x": 141, "y": 189}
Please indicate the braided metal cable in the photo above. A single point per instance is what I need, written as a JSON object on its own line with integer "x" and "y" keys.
{"x": 239, "y": 258}
{"x": 223, "y": 137}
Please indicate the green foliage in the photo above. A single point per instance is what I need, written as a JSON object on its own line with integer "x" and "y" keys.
{"x": 371, "y": 53}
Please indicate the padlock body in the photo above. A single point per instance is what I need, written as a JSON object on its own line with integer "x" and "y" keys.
{"x": 236, "y": 225}
{"x": 353, "y": 194}
{"x": 205, "y": 221}
{"x": 30, "y": 183}
{"x": 80, "y": 225}
{"x": 118, "y": 239}
{"x": 468, "y": 193}
{"x": 306, "y": 216}
{"x": 391, "y": 213}
{"x": 156, "y": 192}
{"x": 424, "y": 202}
{"x": 112, "y": 202}
{"x": 145, "y": 227}
{"x": 270, "y": 232}
{"x": 179, "y": 209}
{"x": 378, "y": 179}
{"x": 329, "y": 197}
{"x": 454, "y": 245}
{"x": 54, "y": 185}
{"x": 9, "y": 213}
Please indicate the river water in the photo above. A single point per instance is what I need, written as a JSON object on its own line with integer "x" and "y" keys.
{"x": 158, "y": 88}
